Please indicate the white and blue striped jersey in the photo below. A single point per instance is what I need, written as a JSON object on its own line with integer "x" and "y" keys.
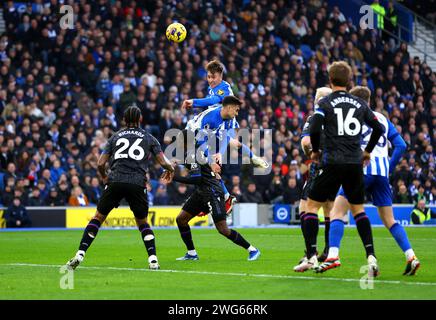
{"x": 214, "y": 96}
{"x": 211, "y": 119}
{"x": 379, "y": 163}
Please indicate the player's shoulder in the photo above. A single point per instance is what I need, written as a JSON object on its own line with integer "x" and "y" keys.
{"x": 380, "y": 116}
{"x": 223, "y": 88}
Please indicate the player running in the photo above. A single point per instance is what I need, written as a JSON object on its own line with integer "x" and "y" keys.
{"x": 376, "y": 177}
{"x": 310, "y": 229}
{"x": 217, "y": 91}
{"x": 342, "y": 116}
{"x": 127, "y": 152}
{"x": 208, "y": 197}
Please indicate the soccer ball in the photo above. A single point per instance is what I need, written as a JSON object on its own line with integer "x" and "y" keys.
{"x": 176, "y": 32}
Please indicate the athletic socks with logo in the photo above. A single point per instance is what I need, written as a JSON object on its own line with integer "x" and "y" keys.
{"x": 365, "y": 232}
{"x": 336, "y": 233}
{"x": 89, "y": 234}
{"x": 147, "y": 236}
{"x": 401, "y": 238}
{"x": 326, "y": 233}
{"x": 185, "y": 233}
{"x": 310, "y": 232}
{"x": 238, "y": 239}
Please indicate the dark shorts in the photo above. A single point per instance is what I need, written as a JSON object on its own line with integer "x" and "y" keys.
{"x": 308, "y": 185}
{"x": 377, "y": 189}
{"x": 332, "y": 176}
{"x": 207, "y": 201}
{"x": 135, "y": 195}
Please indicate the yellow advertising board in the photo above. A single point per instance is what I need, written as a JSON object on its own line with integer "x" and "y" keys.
{"x": 2, "y": 221}
{"x": 123, "y": 217}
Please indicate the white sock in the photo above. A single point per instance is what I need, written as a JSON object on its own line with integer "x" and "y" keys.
{"x": 81, "y": 252}
{"x": 192, "y": 252}
{"x": 152, "y": 258}
{"x": 226, "y": 196}
{"x": 333, "y": 252}
{"x": 251, "y": 248}
{"x": 409, "y": 254}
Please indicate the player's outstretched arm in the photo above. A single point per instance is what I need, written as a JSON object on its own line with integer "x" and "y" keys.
{"x": 192, "y": 179}
{"x": 101, "y": 165}
{"x": 164, "y": 162}
{"x": 201, "y": 103}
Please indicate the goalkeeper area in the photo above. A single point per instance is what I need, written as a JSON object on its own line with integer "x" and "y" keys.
{"x": 115, "y": 267}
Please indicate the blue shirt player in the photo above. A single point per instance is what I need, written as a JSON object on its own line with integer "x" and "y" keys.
{"x": 217, "y": 91}
{"x": 376, "y": 175}
{"x": 218, "y": 88}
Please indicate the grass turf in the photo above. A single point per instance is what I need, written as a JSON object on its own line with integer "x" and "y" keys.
{"x": 115, "y": 267}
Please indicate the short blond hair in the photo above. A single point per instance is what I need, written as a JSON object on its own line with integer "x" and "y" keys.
{"x": 321, "y": 93}
{"x": 361, "y": 92}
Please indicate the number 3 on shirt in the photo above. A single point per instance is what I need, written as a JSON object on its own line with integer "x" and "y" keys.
{"x": 345, "y": 126}
{"x": 135, "y": 151}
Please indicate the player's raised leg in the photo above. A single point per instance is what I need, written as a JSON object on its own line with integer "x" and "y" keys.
{"x": 185, "y": 233}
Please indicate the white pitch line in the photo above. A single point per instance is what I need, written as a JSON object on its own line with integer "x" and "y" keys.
{"x": 255, "y": 275}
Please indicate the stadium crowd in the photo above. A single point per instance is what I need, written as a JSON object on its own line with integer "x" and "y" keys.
{"x": 63, "y": 91}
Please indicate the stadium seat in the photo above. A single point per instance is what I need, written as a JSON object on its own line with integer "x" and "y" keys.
{"x": 278, "y": 41}
{"x": 307, "y": 51}
{"x": 2, "y": 185}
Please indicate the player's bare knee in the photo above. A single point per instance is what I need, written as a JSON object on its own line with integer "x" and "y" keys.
{"x": 100, "y": 217}
{"x": 183, "y": 218}
{"x": 313, "y": 206}
{"x": 356, "y": 209}
{"x": 140, "y": 221}
{"x": 222, "y": 228}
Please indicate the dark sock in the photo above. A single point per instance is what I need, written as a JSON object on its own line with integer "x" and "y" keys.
{"x": 185, "y": 233}
{"x": 326, "y": 234}
{"x": 302, "y": 214}
{"x": 89, "y": 234}
{"x": 364, "y": 228}
{"x": 238, "y": 239}
{"x": 145, "y": 230}
{"x": 311, "y": 226}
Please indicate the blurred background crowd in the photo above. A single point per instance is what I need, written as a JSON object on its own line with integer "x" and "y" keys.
{"x": 63, "y": 92}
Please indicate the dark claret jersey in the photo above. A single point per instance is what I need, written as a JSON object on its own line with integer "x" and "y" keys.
{"x": 343, "y": 118}
{"x": 204, "y": 173}
{"x": 306, "y": 131}
{"x": 129, "y": 150}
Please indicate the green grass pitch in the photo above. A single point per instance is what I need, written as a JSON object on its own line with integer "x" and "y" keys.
{"x": 115, "y": 267}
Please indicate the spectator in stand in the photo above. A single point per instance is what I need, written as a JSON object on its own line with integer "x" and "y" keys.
{"x": 54, "y": 199}
{"x": 251, "y": 195}
{"x": 292, "y": 192}
{"x": 78, "y": 198}
{"x": 421, "y": 213}
{"x": 16, "y": 215}
{"x": 35, "y": 199}
{"x": 403, "y": 195}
